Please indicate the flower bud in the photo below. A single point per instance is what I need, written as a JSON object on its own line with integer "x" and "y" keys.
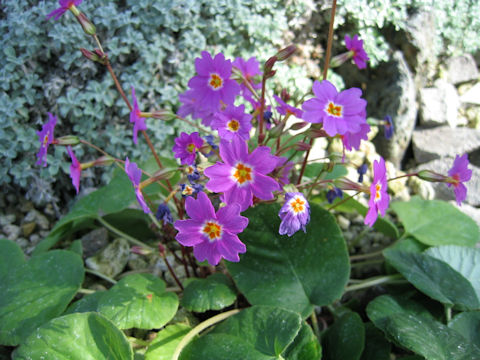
{"x": 267, "y": 68}
{"x": 96, "y": 56}
{"x": 104, "y": 160}
{"x": 299, "y": 125}
{"x": 277, "y": 130}
{"x": 285, "y": 53}
{"x": 302, "y": 146}
{"x": 87, "y": 25}
{"x": 67, "y": 140}
{"x": 431, "y": 176}
{"x": 315, "y": 133}
{"x": 140, "y": 250}
{"x": 165, "y": 115}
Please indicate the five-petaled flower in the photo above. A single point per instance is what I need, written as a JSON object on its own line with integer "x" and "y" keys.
{"x": 65, "y": 5}
{"x": 379, "y": 198}
{"x": 295, "y": 214}
{"x": 186, "y": 146}
{"x": 457, "y": 175}
{"x": 242, "y": 175}
{"x": 213, "y": 85}
{"x": 45, "y": 136}
{"x": 212, "y": 235}
{"x": 249, "y": 69}
{"x": 340, "y": 112}
{"x": 136, "y": 118}
{"x": 135, "y": 175}
{"x": 75, "y": 169}
{"x": 355, "y": 45}
{"x": 233, "y": 121}
{"x": 285, "y": 109}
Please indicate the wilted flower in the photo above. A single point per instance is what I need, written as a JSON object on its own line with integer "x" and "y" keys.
{"x": 75, "y": 169}
{"x": 295, "y": 214}
{"x": 135, "y": 175}
{"x": 388, "y": 128}
{"x": 136, "y": 118}
{"x": 164, "y": 214}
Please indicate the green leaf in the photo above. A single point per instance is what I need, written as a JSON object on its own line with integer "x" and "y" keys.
{"x": 418, "y": 333}
{"x": 376, "y": 346}
{"x": 345, "y": 339}
{"x": 338, "y": 171}
{"x": 256, "y": 333}
{"x": 434, "y": 278}
{"x": 409, "y": 244}
{"x": 295, "y": 272}
{"x": 164, "y": 345}
{"x": 305, "y": 346}
{"x": 36, "y": 291}
{"x": 468, "y": 325}
{"x": 76, "y": 337}
{"x": 86, "y": 304}
{"x": 464, "y": 260}
{"x": 11, "y": 257}
{"x": 213, "y": 293}
{"x": 436, "y": 222}
{"x": 139, "y": 301}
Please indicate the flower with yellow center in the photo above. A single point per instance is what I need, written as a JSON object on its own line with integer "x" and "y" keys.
{"x": 212, "y": 230}
{"x": 297, "y": 204}
{"x": 242, "y": 174}
{"x": 334, "y": 110}
{"x": 215, "y": 82}
{"x": 233, "y": 125}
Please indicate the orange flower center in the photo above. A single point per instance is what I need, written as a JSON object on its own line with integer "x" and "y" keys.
{"x": 190, "y": 170}
{"x": 334, "y": 110}
{"x": 213, "y": 230}
{"x": 191, "y": 147}
{"x": 378, "y": 187}
{"x": 45, "y": 140}
{"x": 216, "y": 82}
{"x": 233, "y": 125}
{"x": 242, "y": 173}
{"x": 187, "y": 191}
{"x": 297, "y": 205}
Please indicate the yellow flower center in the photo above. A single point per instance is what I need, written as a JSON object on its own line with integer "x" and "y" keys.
{"x": 242, "y": 173}
{"x": 216, "y": 82}
{"x": 378, "y": 187}
{"x": 297, "y": 205}
{"x": 45, "y": 140}
{"x": 191, "y": 147}
{"x": 334, "y": 110}
{"x": 190, "y": 170}
{"x": 213, "y": 230}
{"x": 233, "y": 125}
{"x": 187, "y": 191}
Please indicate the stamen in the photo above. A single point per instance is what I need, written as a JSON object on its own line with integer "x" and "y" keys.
{"x": 297, "y": 205}
{"x": 191, "y": 147}
{"x": 334, "y": 110}
{"x": 213, "y": 230}
{"x": 378, "y": 187}
{"x": 233, "y": 125}
{"x": 216, "y": 82}
{"x": 242, "y": 173}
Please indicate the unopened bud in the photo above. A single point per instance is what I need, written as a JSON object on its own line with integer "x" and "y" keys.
{"x": 277, "y": 130}
{"x": 431, "y": 176}
{"x": 299, "y": 125}
{"x": 339, "y": 59}
{"x": 165, "y": 115}
{"x": 267, "y": 68}
{"x": 316, "y": 133}
{"x": 87, "y": 25}
{"x": 104, "y": 160}
{"x": 96, "y": 56}
{"x": 140, "y": 250}
{"x": 284, "y": 95}
{"x": 302, "y": 146}
{"x": 285, "y": 53}
{"x": 68, "y": 140}
{"x": 346, "y": 184}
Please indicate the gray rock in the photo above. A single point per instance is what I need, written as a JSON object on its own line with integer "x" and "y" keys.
{"x": 472, "y": 96}
{"x": 112, "y": 259}
{"x": 431, "y": 144}
{"x": 12, "y": 232}
{"x": 461, "y": 69}
{"x": 35, "y": 239}
{"x": 7, "y": 219}
{"x": 37, "y": 217}
{"x": 28, "y": 228}
{"x": 471, "y": 211}
{"x": 439, "y": 105}
{"x": 443, "y": 192}
{"x": 94, "y": 241}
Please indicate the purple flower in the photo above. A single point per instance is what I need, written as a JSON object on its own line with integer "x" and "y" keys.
{"x": 65, "y": 5}
{"x": 193, "y": 107}
{"x": 192, "y": 173}
{"x": 190, "y": 190}
{"x": 333, "y": 194}
{"x": 233, "y": 121}
{"x": 285, "y": 109}
{"x": 75, "y": 169}
{"x": 340, "y": 113}
{"x": 164, "y": 214}
{"x": 136, "y": 118}
{"x": 45, "y": 136}
{"x": 213, "y": 83}
{"x": 352, "y": 140}
{"x": 186, "y": 146}
{"x": 458, "y": 174}
{"x": 295, "y": 214}
{"x": 242, "y": 175}
{"x": 284, "y": 168}
{"x": 388, "y": 128}
{"x": 355, "y": 45}
{"x": 379, "y": 198}
{"x": 249, "y": 69}
{"x": 212, "y": 235}
{"x": 135, "y": 175}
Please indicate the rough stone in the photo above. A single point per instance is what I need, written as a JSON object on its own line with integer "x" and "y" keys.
{"x": 343, "y": 222}
{"x": 28, "y": 228}
{"x": 472, "y": 96}
{"x": 422, "y": 188}
{"x": 37, "y": 217}
{"x": 94, "y": 241}
{"x": 11, "y": 231}
{"x": 7, "y": 219}
{"x": 112, "y": 259}
{"x": 461, "y": 69}
{"x": 439, "y": 105}
{"x": 443, "y": 192}
{"x": 34, "y": 239}
{"x": 431, "y": 144}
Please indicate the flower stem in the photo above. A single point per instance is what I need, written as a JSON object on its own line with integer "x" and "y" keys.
{"x": 316, "y": 329}
{"x": 402, "y": 176}
{"x": 448, "y": 313}
{"x": 387, "y": 279}
{"x": 199, "y": 328}
{"x": 86, "y": 291}
{"x": 120, "y": 233}
{"x": 366, "y": 256}
{"x": 343, "y": 201}
{"x": 100, "y": 275}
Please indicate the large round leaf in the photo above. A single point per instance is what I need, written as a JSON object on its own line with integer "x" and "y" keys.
{"x": 376, "y": 346}
{"x": 434, "y": 277}
{"x": 85, "y": 336}
{"x": 257, "y": 333}
{"x": 405, "y": 323}
{"x": 213, "y": 293}
{"x": 164, "y": 345}
{"x": 436, "y": 222}
{"x": 11, "y": 257}
{"x": 305, "y": 346}
{"x": 468, "y": 325}
{"x": 295, "y": 272}
{"x": 345, "y": 339}
{"x": 139, "y": 301}
{"x": 33, "y": 292}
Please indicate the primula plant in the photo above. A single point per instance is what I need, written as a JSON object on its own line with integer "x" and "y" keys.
{"x": 249, "y": 215}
